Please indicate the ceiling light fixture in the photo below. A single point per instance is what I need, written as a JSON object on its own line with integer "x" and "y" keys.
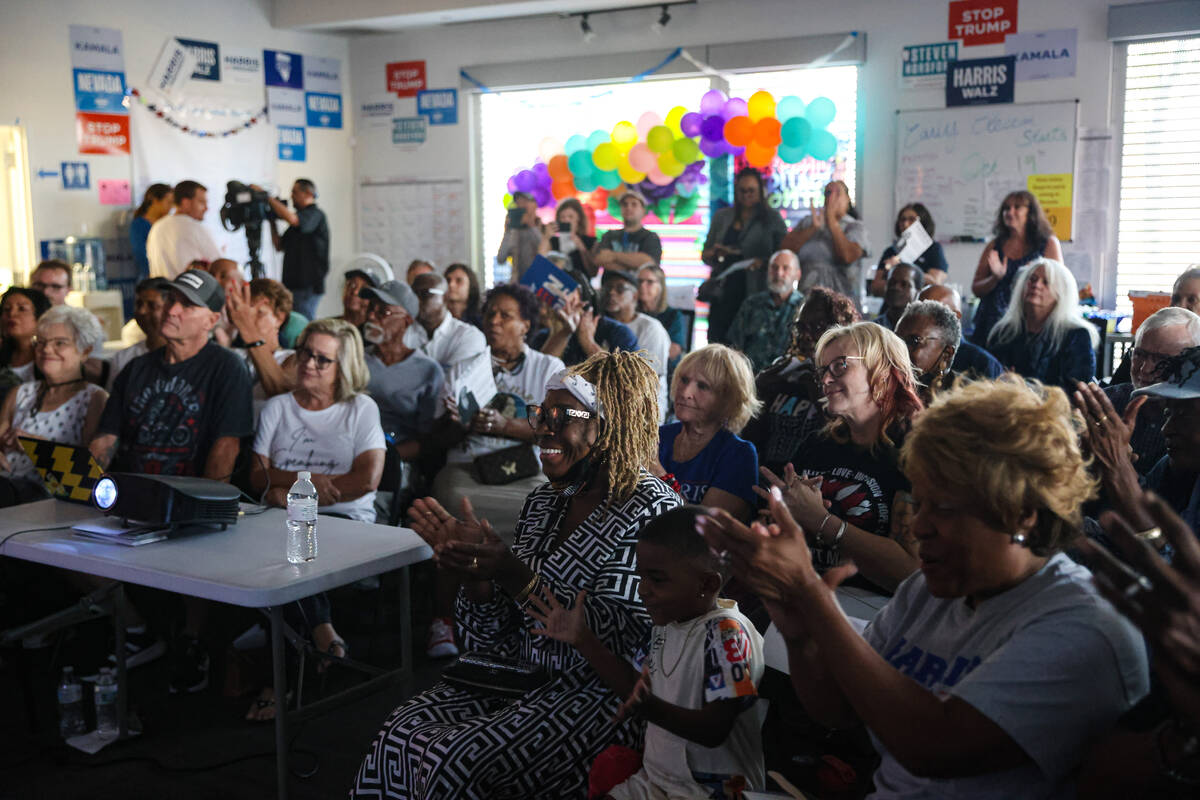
{"x": 586, "y": 27}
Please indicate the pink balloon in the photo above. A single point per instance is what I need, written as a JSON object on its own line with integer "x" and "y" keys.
{"x": 656, "y": 176}
{"x": 647, "y": 121}
{"x": 712, "y": 102}
{"x": 736, "y": 107}
{"x": 642, "y": 158}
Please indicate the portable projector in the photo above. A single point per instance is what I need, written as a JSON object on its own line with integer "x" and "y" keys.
{"x": 166, "y": 500}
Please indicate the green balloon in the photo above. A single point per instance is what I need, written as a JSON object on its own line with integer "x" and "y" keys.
{"x": 614, "y": 207}
{"x": 686, "y": 151}
{"x": 659, "y": 139}
{"x": 662, "y": 209}
{"x": 686, "y": 206}
{"x": 607, "y": 179}
{"x": 822, "y": 146}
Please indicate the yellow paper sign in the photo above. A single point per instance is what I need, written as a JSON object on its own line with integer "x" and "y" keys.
{"x": 1060, "y": 220}
{"x": 1051, "y": 190}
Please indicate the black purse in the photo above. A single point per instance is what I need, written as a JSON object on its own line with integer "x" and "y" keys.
{"x": 495, "y": 675}
{"x": 507, "y": 465}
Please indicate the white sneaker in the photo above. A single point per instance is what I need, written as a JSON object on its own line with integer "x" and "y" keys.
{"x": 441, "y": 639}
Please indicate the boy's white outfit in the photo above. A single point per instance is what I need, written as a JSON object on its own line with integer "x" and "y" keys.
{"x": 718, "y": 656}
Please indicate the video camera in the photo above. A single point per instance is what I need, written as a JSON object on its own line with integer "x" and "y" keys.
{"x": 247, "y": 208}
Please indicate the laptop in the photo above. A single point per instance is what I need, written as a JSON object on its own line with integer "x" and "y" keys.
{"x": 68, "y": 472}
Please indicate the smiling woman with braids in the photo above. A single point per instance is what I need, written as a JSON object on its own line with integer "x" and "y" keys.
{"x": 578, "y": 532}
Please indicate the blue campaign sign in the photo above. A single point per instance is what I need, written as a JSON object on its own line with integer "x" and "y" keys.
{"x": 100, "y": 91}
{"x": 979, "y": 81}
{"x": 324, "y": 110}
{"x": 291, "y": 143}
{"x": 75, "y": 175}
{"x": 208, "y": 59}
{"x": 409, "y": 130}
{"x": 283, "y": 69}
{"x": 439, "y": 106}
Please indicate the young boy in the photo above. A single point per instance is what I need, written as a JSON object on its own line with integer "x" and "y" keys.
{"x": 699, "y": 671}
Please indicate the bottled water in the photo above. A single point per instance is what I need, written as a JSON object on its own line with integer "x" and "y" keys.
{"x": 302, "y": 520}
{"x": 106, "y": 704}
{"x": 70, "y": 705}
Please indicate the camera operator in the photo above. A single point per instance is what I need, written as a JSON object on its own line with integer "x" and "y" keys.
{"x": 175, "y": 241}
{"x": 305, "y": 245}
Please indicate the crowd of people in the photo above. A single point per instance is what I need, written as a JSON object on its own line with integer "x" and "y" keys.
{"x": 626, "y": 514}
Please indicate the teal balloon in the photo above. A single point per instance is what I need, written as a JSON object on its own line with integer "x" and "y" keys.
{"x": 686, "y": 206}
{"x": 795, "y": 132}
{"x": 580, "y": 164}
{"x": 685, "y": 150}
{"x": 596, "y": 139}
{"x": 605, "y": 179}
{"x": 586, "y": 183}
{"x": 575, "y": 144}
{"x": 820, "y": 112}
{"x": 822, "y": 146}
{"x": 790, "y": 155}
{"x": 684, "y": 189}
{"x": 614, "y": 207}
{"x": 789, "y": 107}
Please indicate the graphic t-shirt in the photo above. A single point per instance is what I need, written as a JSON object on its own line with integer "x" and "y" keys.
{"x": 1048, "y": 661}
{"x": 728, "y": 462}
{"x": 325, "y": 442}
{"x": 168, "y": 416}
{"x": 790, "y": 415}
{"x": 640, "y": 241}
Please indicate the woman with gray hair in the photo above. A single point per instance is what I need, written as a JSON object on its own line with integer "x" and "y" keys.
{"x": 1042, "y": 335}
{"x": 60, "y": 405}
{"x": 931, "y": 332}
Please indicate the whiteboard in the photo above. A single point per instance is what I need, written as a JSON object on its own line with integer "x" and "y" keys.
{"x": 403, "y": 220}
{"x": 961, "y": 162}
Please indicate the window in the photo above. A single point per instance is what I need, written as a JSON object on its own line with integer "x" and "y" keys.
{"x": 16, "y": 216}
{"x": 1158, "y": 235}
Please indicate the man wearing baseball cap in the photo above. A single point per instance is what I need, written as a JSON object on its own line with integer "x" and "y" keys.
{"x": 632, "y": 245}
{"x": 354, "y": 307}
{"x": 619, "y": 289}
{"x": 180, "y": 410}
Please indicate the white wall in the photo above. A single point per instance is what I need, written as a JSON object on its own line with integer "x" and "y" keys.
{"x": 889, "y": 25}
{"x": 37, "y": 90}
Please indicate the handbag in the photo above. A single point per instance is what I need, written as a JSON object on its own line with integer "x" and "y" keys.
{"x": 507, "y": 465}
{"x": 495, "y": 675}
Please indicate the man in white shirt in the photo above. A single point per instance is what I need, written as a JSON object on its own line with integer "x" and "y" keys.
{"x": 177, "y": 240}
{"x": 454, "y": 344}
{"x": 620, "y": 302}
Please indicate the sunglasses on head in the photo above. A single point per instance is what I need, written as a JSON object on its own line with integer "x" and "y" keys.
{"x": 555, "y": 418}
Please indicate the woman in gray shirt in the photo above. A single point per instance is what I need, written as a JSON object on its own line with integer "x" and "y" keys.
{"x": 831, "y": 244}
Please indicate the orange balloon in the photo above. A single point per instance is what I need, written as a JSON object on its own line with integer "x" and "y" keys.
{"x": 767, "y": 132}
{"x": 738, "y": 131}
{"x": 759, "y": 156}
{"x": 558, "y": 168}
{"x": 561, "y": 189}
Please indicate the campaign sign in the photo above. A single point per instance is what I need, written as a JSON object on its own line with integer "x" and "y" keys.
{"x": 323, "y": 75}
{"x": 208, "y": 59}
{"x": 551, "y": 284}
{"x": 75, "y": 175}
{"x": 324, "y": 110}
{"x": 409, "y": 130}
{"x": 1043, "y": 54}
{"x": 291, "y": 143}
{"x": 286, "y": 106}
{"x": 243, "y": 67}
{"x": 100, "y": 91}
{"x": 979, "y": 81}
{"x": 925, "y": 64}
{"x": 406, "y": 78}
{"x": 283, "y": 69}
{"x": 439, "y": 106}
{"x": 377, "y": 111}
{"x": 982, "y": 21}
{"x": 97, "y": 48}
{"x": 103, "y": 134}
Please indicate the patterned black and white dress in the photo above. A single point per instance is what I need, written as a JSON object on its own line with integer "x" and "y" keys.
{"x": 450, "y": 743}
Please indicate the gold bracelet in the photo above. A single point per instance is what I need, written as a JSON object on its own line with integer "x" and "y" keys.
{"x": 524, "y": 593}
{"x": 1151, "y": 535}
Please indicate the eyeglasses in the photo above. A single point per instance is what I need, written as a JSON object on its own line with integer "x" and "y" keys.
{"x": 42, "y": 286}
{"x": 306, "y": 354}
{"x": 836, "y": 368}
{"x": 915, "y": 342}
{"x": 1149, "y": 355}
{"x": 554, "y": 418}
{"x": 58, "y": 343}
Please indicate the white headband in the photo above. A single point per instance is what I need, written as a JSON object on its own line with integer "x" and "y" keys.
{"x": 579, "y": 387}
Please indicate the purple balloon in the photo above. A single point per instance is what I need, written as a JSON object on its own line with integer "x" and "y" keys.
{"x": 690, "y": 123}
{"x": 543, "y": 197}
{"x": 736, "y": 107}
{"x": 712, "y": 102}
{"x": 541, "y": 170}
{"x": 526, "y": 181}
{"x": 712, "y": 129}
{"x": 512, "y": 184}
{"x": 712, "y": 149}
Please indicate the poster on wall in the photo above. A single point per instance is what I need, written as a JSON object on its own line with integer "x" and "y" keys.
{"x": 242, "y": 66}
{"x": 100, "y": 91}
{"x": 291, "y": 143}
{"x": 980, "y": 81}
{"x": 377, "y": 111}
{"x": 208, "y": 59}
{"x": 172, "y": 70}
{"x": 978, "y": 22}
{"x": 98, "y": 80}
{"x": 439, "y": 106}
{"x": 1054, "y": 192}
{"x": 97, "y": 49}
{"x": 406, "y": 78}
{"x": 924, "y": 65}
{"x": 408, "y": 130}
{"x": 286, "y": 106}
{"x": 323, "y": 75}
{"x": 1043, "y": 54}
{"x": 282, "y": 69}
{"x": 102, "y": 134}
{"x": 323, "y": 110}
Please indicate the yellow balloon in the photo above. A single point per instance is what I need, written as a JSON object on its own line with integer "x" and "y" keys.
{"x": 508, "y": 198}
{"x": 624, "y": 136}
{"x": 760, "y": 106}
{"x": 629, "y": 174}
{"x": 669, "y": 165}
{"x": 673, "y": 118}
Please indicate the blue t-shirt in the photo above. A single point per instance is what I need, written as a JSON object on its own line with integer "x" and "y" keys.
{"x": 728, "y": 462}
{"x": 139, "y": 232}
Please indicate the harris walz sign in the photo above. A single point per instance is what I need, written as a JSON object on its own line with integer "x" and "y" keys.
{"x": 979, "y": 81}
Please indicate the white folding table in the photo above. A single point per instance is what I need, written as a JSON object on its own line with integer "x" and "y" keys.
{"x": 243, "y": 565}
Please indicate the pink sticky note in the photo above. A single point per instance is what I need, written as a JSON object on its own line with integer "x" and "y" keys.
{"x": 114, "y": 193}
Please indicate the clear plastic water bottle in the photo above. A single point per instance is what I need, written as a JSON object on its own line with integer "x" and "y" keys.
{"x": 70, "y": 705}
{"x": 106, "y": 704}
{"x": 302, "y": 520}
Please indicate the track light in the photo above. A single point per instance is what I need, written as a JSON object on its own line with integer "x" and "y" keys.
{"x": 658, "y": 27}
{"x": 586, "y": 27}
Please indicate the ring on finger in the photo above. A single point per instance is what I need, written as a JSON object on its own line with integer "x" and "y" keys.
{"x": 1142, "y": 584}
{"x": 475, "y": 562}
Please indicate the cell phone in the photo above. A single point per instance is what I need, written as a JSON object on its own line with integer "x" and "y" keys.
{"x": 564, "y": 227}
{"x": 515, "y": 216}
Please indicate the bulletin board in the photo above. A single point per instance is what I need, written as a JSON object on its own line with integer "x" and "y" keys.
{"x": 402, "y": 220}
{"x": 961, "y": 162}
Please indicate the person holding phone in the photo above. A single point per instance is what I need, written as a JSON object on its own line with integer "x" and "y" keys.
{"x": 569, "y": 236}
{"x": 522, "y": 234}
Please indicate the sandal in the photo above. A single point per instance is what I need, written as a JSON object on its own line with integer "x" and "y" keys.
{"x": 264, "y": 701}
{"x": 329, "y": 657}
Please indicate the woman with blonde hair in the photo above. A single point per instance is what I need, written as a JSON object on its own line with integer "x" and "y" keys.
{"x": 713, "y": 395}
{"x": 1000, "y": 651}
{"x": 870, "y": 393}
{"x": 1043, "y": 335}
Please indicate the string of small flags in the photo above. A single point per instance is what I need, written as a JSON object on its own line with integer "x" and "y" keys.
{"x": 161, "y": 113}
